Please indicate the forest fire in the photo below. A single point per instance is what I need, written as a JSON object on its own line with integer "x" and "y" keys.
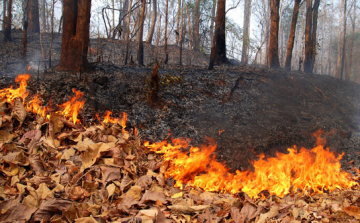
{"x": 304, "y": 170}
{"x": 299, "y": 170}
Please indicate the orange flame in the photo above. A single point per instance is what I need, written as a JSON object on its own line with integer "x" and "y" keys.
{"x": 10, "y": 94}
{"x": 72, "y": 107}
{"x": 36, "y": 107}
{"x": 108, "y": 119}
{"x": 28, "y": 68}
{"x": 306, "y": 170}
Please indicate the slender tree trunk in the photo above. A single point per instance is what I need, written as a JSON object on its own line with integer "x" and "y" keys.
{"x": 75, "y": 37}
{"x": 290, "y": 45}
{"x": 153, "y": 22}
{"x": 52, "y": 32}
{"x": 196, "y": 25}
{"x": 274, "y": 35}
{"x": 166, "y": 34}
{"x": 177, "y": 31}
{"x": 218, "y": 48}
{"x": 308, "y": 42}
{"x": 213, "y": 20}
{"x": 339, "y": 56}
{"x": 246, "y": 33}
{"x": 7, "y": 20}
{"x": 315, "y": 12}
{"x": 127, "y": 31}
{"x": 343, "y": 44}
{"x": 4, "y": 14}
{"x": 182, "y": 31}
{"x": 24, "y": 34}
{"x": 140, "y": 54}
{"x": 190, "y": 33}
{"x": 33, "y": 17}
{"x": 330, "y": 41}
{"x": 42, "y": 15}
{"x": 348, "y": 72}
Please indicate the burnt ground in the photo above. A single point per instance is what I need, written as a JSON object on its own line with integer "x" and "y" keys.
{"x": 261, "y": 110}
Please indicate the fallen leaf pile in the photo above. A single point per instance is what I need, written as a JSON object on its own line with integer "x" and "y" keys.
{"x": 55, "y": 171}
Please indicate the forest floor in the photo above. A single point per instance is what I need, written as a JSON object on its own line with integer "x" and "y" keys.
{"x": 247, "y": 110}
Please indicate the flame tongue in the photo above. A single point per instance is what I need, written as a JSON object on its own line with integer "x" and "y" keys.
{"x": 10, "y": 94}
{"x": 71, "y": 108}
{"x": 314, "y": 170}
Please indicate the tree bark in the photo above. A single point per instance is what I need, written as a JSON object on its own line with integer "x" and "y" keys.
{"x": 33, "y": 17}
{"x": 181, "y": 32}
{"x": 246, "y": 33}
{"x": 75, "y": 37}
{"x": 218, "y": 48}
{"x": 315, "y": 12}
{"x": 343, "y": 43}
{"x": 212, "y": 22}
{"x": 24, "y": 34}
{"x": 166, "y": 35}
{"x": 348, "y": 71}
{"x": 196, "y": 25}
{"x": 153, "y": 22}
{"x": 42, "y": 16}
{"x": 7, "y": 20}
{"x": 140, "y": 54}
{"x": 308, "y": 42}
{"x": 127, "y": 30}
{"x": 339, "y": 56}
{"x": 274, "y": 35}
{"x": 177, "y": 31}
{"x": 291, "y": 41}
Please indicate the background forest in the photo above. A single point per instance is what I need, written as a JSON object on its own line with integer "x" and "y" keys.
{"x": 333, "y": 30}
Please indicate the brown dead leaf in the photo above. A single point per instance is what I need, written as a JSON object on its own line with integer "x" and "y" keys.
{"x": 126, "y": 183}
{"x": 50, "y": 207}
{"x": 352, "y": 211}
{"x": 144, "y": 182}
{"x": 5, "y": 136}
{"x": 86, "y": 220}
{"x": 126, "y": 203}
{"x": 43, "y": 192}
{"x": 109, "y": 174}
{"x": 19, "y": 111}
{"x": 273, "y": 212}
{"x": 55, "y": 124}
{"x": 134, "y": 192}
{"x": 78, "y": 193}
{"x": 248, "y": 211}
{"x": 32, "y": 135}
{"x": 153, "y": 196}
{"x": 13, "y": 211}
{"x": 37, "y": 164}
{"x": 111, "y": 190}
{"x": 17, "y": 158}
{"x": 92, "y": 154}
{"x": 236, "y": 216}
{"x": 68, "y": 153}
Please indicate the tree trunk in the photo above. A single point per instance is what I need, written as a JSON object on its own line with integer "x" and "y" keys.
{"x": 308, "y": 42}
{"x": 343, "y": 43}
{"x": 315, "y": 12}
{"x": 33, "y": 17}
{"x": 196, "y": 25}
{"x": 246, "y": 33}
{"x": 140, "y": 54}
{"x": 42, "y": 15}
{"x": 218, "y": 48}
{"x": 190, "y": 33}
{"x": 274, "y": 35}
{"x": 7, "y": 20}
{"x": 153, "y": 22}
{"x": 127, "y": 30}
{"x": 24, "y": 34}
{"x": 291, "y": 41}
{"x": 181, "y": 32}
{"x": 75, "y": 37}
{"x": 177, "y": 31}
{"x": 348, "y": 70}
{"x": 212, "y": 22}
{"x": 166, "y": 35}
{"x": 339, "y": 56}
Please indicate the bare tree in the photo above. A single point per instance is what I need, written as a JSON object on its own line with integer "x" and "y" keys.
{"x": 340, "y": 40}
{"x": 246, "y": 33}
{"x": 140, "y": 53}
{"x": 177, "y": 31}
{"x": 42, "y": 16}
{"x": 290, "y": 45}
{"x": 274, "y": 35}
{"x": 181, "y": 40}
{"x": 75, "y": 37}
{"x": 218, "y": 48}
{"x": 153, "y": 22}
